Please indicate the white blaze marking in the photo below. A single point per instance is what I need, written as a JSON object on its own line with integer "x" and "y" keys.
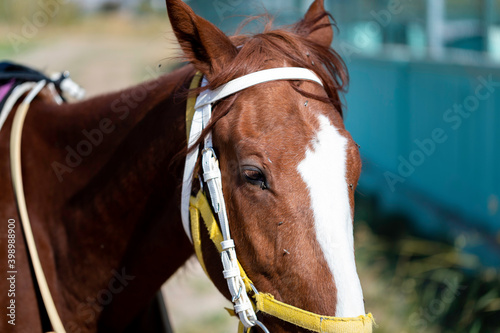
{"x": 324, "y": 172}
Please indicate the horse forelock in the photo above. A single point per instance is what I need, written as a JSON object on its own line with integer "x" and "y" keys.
{"x": 289, "y": 46}
{"x": 292, "y": 47}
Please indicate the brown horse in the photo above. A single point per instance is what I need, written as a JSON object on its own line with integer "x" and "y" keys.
{"x": 103, "y": 178}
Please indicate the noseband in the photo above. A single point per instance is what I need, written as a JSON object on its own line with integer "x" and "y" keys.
{"x": 245, "y": 297}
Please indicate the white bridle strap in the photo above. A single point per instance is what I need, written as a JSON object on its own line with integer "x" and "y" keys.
{"x": 202, "y": 117}
{"x": 266, "y": 75}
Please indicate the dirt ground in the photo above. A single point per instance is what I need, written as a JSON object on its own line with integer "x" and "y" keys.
{"x": 108, "y": 53}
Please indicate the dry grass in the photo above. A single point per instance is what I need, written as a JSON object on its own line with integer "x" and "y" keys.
{"x": 418, "y": 285}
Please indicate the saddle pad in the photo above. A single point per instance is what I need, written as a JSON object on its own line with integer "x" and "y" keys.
{"x": 12, "y": 75}
{"x": 6, "y": 89}
{"x": 12, "y": 72}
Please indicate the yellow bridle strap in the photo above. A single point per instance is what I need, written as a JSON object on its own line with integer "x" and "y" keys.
{"x": 195, "y": 232}
{"x": 191, "y": 102}
{"x": 200, "y": 205}
{"x": 311, "y": 321}
{"x": 266, "y": 303}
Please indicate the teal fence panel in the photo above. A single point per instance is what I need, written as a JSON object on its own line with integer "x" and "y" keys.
{"x": 430, "y": 138}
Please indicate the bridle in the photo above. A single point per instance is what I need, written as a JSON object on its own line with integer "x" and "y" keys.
{"x": 245, "y": 297}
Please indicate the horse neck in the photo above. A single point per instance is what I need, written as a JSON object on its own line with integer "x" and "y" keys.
{"x": 116, "y": 191}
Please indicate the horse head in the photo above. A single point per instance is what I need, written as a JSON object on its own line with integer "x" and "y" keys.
{"x": 289, "y": 167}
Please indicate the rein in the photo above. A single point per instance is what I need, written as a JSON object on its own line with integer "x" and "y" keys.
{"x": 17, "y": 182}
{"x": 245, "y": 297}
{"x": 33, "y": 89}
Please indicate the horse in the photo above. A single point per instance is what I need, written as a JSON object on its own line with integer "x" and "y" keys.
{"x": 103, "y": 181}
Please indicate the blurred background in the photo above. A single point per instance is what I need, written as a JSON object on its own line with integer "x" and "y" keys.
{"x": 423, "y": 103}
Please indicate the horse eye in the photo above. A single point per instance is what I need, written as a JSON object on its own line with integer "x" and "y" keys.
{"x": 255, "y": 177}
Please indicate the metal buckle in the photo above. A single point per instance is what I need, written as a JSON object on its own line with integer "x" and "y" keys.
{"x": 237, "y": 297}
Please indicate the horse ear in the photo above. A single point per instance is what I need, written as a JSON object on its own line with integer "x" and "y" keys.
{"x": 316, "y": 24}
{"x": 204, "y": 45}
